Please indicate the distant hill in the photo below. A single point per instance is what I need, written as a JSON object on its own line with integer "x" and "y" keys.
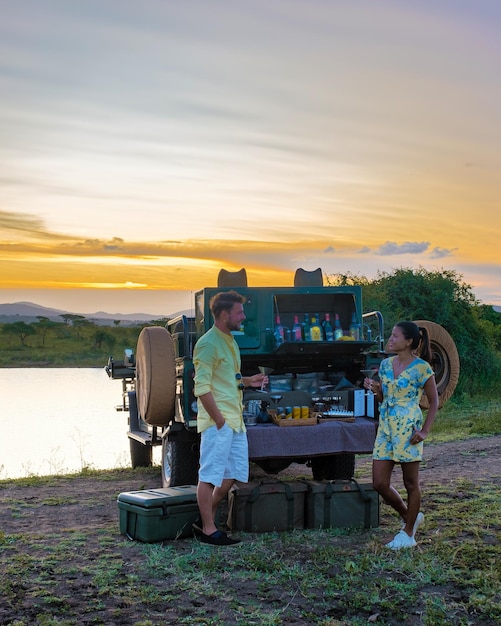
{"x": 29, "y": 312}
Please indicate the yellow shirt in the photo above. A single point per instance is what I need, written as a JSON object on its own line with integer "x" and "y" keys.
{"x": 216, "y": 358}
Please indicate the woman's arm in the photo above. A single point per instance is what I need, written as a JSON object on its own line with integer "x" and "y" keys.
{"x": 430, "y": 389}
{"x": 431, "y": 392}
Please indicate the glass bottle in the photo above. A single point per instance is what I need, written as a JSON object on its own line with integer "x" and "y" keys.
{"x": 315, "y": 330}
{"x": 354, "y": 327}
{"x": 328, "y": 330}
{"x": 338, "y": 330}
{"x": 306, "y": 327}
{"x": 280, "y": 332}
{"x": 297, "y": 330}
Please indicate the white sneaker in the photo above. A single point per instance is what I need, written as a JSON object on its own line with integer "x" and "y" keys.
{"x": 401, "y": 540}
{"x": 419, "y": 522}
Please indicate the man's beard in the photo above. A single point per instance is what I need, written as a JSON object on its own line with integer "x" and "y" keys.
{"x": 232, "y": 327}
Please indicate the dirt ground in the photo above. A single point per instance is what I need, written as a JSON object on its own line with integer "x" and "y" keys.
{"x": 90, "y": 505}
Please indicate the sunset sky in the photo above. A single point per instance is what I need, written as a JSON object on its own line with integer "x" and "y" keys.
{"x": 146, "y": 144}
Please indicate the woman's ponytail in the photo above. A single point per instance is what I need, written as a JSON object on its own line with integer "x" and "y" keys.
{"x": 424, "y": 345}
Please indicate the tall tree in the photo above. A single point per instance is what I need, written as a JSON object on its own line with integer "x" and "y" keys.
{"x": 43, "y": 326}
{"x": 19, "y": 329}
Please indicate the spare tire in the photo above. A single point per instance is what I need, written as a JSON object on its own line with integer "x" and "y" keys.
{"x": 445, "y": 361}
{"x": 155, "y": 376}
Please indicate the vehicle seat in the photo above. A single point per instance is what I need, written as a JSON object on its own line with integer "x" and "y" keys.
{"x": 304, "y": 278}
{"x": 232, "y": 279}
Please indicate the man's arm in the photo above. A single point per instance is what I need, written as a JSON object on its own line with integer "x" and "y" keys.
{"x": 255, "y": 381}
{"x": 209, "y": 404}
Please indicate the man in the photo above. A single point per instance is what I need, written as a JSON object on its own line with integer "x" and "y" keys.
{"x": 218, "y": 387}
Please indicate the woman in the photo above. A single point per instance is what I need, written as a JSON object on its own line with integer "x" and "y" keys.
{"x": 401, "y": 431}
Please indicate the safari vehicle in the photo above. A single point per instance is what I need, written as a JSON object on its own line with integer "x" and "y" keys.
{"x": 158, "y": 380}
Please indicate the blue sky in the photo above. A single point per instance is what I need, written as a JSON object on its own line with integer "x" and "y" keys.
{"x": 144, "y": 145}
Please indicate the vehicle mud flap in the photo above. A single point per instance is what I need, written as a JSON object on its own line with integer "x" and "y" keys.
{"x": 141, "y": 454}
{"x": 133, "y": 412}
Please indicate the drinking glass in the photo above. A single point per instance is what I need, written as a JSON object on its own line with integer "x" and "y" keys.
{"x": 265, "y": 371}
{"x": 370, "y": 373}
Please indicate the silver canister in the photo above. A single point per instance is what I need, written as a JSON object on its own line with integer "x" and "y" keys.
{"x": 253, "y": 407}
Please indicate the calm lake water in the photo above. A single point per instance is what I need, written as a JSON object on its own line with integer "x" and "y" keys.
{"x": 58, "y": 420}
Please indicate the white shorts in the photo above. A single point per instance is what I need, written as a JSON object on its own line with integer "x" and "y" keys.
{"x": 224, "y": 453}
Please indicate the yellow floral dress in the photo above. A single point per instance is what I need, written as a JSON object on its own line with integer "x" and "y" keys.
{"x": 399, "y": 413}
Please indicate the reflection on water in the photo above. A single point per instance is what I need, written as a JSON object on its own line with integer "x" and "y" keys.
{"x": 59, "y": 420}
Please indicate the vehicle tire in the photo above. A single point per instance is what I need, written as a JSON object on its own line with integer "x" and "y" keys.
{"x": 333, "y": 466}
{"x": 445, "y": 362}
{"x": 155, "y": 376}
{"x": 140, "y": 454}
{"x": 180, "y": 460}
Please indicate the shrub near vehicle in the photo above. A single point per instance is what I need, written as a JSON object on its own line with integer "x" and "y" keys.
{"x": 323, "y": 374}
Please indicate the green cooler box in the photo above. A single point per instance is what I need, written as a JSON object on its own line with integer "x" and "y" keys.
{"x": 158, "y": 514}
{"x": 341, "y": 504}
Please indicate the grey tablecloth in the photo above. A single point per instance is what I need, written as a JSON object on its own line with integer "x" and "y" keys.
{"x": 269, "y": 440}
